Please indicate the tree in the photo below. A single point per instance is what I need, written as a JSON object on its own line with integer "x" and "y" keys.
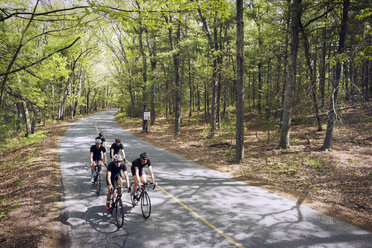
{"x": 295, "y": 12}
{"x": 335, "y": 84}
{"x": 239, "y": 150}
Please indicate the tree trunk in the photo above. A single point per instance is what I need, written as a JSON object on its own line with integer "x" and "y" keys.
{"x": 190, "y": 88}
{"x": 285, "y": 73}
{"x": 27, "y": 118}
{"x": 295, "y": 12}
{"x": 322, "y": 72}
{"x": 259, "y": 91}
{"x": 239, "y": 150}
{"x": 335, "y": 84}
{"x": 144, "y": 83}
{"x": 312, "y": 77}
{"x": 177, "y": 95}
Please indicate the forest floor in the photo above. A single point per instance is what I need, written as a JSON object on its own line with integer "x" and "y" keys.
{"x": 337, "y": 182}
{"x": 31, "y": 191}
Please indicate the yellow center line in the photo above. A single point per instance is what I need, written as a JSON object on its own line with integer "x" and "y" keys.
{"x": 202, "y": 219}
{"x": 198, "y": 216}
{"x": 95, "y": 124}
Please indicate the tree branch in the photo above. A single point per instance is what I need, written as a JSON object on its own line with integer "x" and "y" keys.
{"x": 27, "y": 66}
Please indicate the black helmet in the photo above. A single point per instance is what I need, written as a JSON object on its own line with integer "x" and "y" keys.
{"x": 98, "y": 141}
{"x": 144, "y": 155}
{"x": 100, "y": 134}
{"x": 117, "y": 158}
{"x": 117, "y": 140}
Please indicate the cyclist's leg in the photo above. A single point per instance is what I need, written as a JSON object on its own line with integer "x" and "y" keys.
{"x": 119, "y": 182}
{"x": 108, "y": 195}
{"x": 135, "y": 185}
{"x": 100, "y": 164}
{"x": 92, "y": 167}
{"x": 143, "y": 178}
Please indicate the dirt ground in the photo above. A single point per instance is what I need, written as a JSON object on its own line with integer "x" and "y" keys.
{"x": 337, "y": 182}
{"x": 31, "y": 193}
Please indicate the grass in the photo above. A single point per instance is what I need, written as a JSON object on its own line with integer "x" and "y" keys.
{"x": 25, "y": 141}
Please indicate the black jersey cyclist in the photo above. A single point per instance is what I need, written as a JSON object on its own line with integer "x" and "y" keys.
{"x": 116, "y": 170}
{"x": 97, "y": 154}
{"x": 103, "y": 139}
{"x": 138, "y": 173}
{"x": 117, "y": 148}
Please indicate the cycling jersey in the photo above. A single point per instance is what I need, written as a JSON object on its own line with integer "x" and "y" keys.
{"x": 102, "y": 139}
{"x": 115, "y": 171}
{"x": 137, "y": 163}
{"x": 97, "y": 152}
{"x": 116, "y": 148}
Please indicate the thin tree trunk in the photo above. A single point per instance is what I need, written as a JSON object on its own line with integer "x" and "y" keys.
{"x": 333, "y": 101}
{"x": 323, "y": 67}
{"x": 176, "y": 62}
{"x": 144, "y": 83}
{"x": 312, "y": 77}
{"x": 27, "y": 118}
{"x": 295, "y": 12}
{"x": 239, "y": 150}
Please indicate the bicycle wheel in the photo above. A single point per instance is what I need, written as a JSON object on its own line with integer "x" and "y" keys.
{"x": 119, "y": 213}
{"x": 145, "y": 205}
{"x": 97, "y": 180}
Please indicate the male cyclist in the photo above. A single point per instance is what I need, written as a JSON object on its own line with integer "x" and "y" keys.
{"x": 117, "y": 148}
{"x": 114, "y": 175}
{"x": 97, "y": 153}
{"x": 103, "y": 139}
{"x": 138, "y": 173}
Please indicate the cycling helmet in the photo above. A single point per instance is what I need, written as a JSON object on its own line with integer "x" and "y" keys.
{"x": 100, "y": 134}
{"x": 144, "y": 155}
{"x": 98, "y": 141}
{"x": 117, "y": 140}
{"x": 117, "y": 158}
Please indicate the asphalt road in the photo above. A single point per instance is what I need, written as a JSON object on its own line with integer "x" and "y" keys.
{"x": 194, "y": 206}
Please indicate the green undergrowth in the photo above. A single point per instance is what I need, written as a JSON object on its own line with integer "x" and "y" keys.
{"x": 125, "y": 119}
{"x": 18, "y": 142}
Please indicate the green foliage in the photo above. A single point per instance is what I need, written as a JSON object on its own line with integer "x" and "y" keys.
{"x": 25, "y": 141}
{"x": 350, "y": 160}
{"x": 19, "y": 182}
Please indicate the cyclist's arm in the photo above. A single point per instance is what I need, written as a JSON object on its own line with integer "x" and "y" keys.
{"x": 108, "y": 175}
{"x": 104, "y": 157}
{"x": 112, "y": 153}
{"x": 152, "y": 175}
{"x": 137, "y": 174}
{"x": 123, "y": 153}
{"x": 91, "y": 157}
{"x": 126, "y": 178}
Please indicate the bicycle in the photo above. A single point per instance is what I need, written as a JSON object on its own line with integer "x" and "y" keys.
{"x": 116, "y": 206}
{"x": 144, "y": 198}
{"x": 97, "y": 178}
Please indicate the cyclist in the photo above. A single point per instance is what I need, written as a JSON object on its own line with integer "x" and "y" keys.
{"x": 115, "y": 171}
{"x": 97, "y": 153}
{"x": 117, "y": 148}
{"x": 103, "y": 139}
{"x": 138, "y": 173}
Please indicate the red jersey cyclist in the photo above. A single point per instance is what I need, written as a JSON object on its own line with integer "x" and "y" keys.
{"x": 116, "y": 170}
{"x": 138, "y": 173}
{"x": 97, "y": 153}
